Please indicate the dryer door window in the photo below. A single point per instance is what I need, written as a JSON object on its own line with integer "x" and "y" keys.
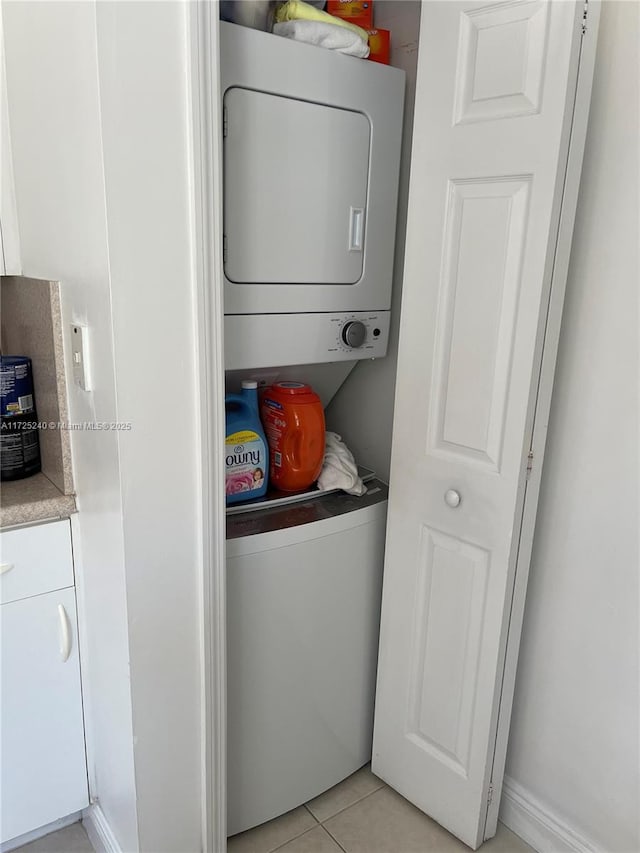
{"x": 295, "y": 192}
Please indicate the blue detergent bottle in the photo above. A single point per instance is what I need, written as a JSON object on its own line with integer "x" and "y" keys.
{"x": 246, "y": 449}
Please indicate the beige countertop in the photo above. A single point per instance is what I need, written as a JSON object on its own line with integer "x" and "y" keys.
{"x": 33, "y": 499}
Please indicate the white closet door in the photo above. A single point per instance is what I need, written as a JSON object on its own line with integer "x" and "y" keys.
{"x": 494, "y": 99}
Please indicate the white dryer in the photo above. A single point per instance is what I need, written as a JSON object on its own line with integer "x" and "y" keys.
{"x": 311, "y": 162}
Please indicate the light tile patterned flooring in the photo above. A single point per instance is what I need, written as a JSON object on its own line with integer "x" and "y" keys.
{"x": 360, "y": 815}
{"x": 71, "y": 839}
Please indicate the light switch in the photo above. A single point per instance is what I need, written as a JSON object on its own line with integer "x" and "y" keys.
{"x": 80, "y": 356}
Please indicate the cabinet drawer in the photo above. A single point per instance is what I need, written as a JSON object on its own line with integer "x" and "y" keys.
{"x": 35, "y": 560}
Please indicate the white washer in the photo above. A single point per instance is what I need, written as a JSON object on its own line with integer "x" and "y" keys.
{"x": 303, "y": 613}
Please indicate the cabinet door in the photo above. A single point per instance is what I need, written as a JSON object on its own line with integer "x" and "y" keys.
{"x": 495, "y": 97}
{"x": 44, "y": 774}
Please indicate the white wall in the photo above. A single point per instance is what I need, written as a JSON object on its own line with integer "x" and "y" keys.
{"x": 362, "y": 410}
{"x": 10, "y": 263}
{"x": 574, "y": 737}
{"x": 52, "y": 81}
{"x": 144, "y": 67}
{"x": 99, "y": 117}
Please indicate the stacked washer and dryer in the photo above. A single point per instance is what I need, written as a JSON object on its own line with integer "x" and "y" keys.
{"x": 311, "y": 163}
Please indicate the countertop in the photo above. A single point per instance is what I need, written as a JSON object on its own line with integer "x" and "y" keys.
{"x": 33, "y": 499}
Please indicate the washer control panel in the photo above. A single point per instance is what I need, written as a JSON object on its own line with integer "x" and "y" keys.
{"x": 266, "y": 340}
{"x": 362, "y": 334}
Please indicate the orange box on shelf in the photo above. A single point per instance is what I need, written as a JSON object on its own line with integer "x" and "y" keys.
{"x": 380, "y": 46}
{"x": 358, "y": 12}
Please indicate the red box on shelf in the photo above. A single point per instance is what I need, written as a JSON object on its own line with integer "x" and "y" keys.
{"x": 358, "y": 12}
{"x": 380, "y": 46}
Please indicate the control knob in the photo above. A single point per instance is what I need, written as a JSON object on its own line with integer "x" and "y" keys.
{"x": 354, "y": 333}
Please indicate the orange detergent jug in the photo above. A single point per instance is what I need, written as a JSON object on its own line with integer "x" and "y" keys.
{"x": 293, "y": 420}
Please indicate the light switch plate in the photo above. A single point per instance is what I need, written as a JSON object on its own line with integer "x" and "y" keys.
{"x": 80, "y": 356}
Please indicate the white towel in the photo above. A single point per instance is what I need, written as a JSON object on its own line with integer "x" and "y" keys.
{"x": 339, "y": 470}
{"x": 329, "y": 36}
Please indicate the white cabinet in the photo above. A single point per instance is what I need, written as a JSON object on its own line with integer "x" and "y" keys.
{"x": 44, "y": 774}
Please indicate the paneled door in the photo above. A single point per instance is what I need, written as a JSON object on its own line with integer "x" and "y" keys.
{"x": 495, "y": 97}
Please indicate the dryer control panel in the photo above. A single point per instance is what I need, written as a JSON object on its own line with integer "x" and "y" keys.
{"x": 264, "y": 340}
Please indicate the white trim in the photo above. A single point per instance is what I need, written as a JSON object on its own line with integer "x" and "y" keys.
{"x": 536, "y": 824}
{"x": 99, "y": 831}
{"x": 40, "y": 832}
{"x": 207, "y": 187}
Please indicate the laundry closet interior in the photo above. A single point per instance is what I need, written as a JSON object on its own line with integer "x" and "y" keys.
{"x": 412, "y": 274}
{"x": 310, "y": 271}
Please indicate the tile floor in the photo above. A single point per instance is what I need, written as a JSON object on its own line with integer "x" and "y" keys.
{"x": 360, "y": 815}
{"x": 71, "y": 839}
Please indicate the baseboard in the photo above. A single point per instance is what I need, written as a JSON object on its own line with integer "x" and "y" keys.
{"x": 100, "y": 833}
{"x": 536, "y": 824}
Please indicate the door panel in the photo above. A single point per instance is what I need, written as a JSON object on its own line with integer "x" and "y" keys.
{"x": 494, "y": 101}
{"x": 501, "y": 61}
{"x": 484, "y": 235}
{"x": 452, "y": 592}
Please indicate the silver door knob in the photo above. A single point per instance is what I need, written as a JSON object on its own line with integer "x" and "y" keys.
{"x": 452, "y": 498}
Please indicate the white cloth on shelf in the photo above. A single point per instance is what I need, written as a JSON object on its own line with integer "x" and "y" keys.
{"x": 339, "y": 470}
{"x": 324, "y": 35}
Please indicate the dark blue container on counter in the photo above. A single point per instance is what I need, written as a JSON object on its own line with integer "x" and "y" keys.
{"x": 16, "y": 385}
{"x": 19, "y": 439}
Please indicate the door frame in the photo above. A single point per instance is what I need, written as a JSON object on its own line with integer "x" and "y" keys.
{"x": 206, "y": 132}
{"x": 582, "y": 64}
{"x": 203, "y": 81}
